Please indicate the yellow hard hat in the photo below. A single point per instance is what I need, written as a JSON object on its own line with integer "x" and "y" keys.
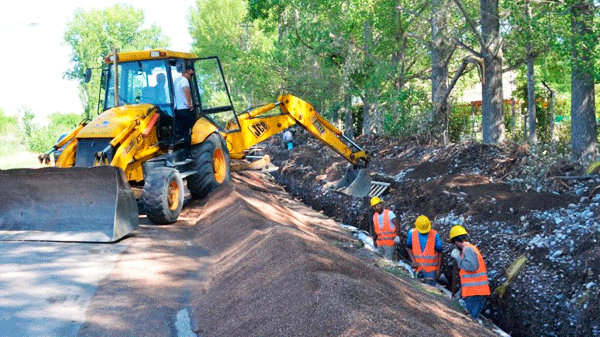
{"x": 423, "y": 224}
{"x": 375, "y": 201}
{"x": 456, "y": 231}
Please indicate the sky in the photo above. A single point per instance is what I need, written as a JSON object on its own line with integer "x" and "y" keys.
{"x": 33, "y": 57}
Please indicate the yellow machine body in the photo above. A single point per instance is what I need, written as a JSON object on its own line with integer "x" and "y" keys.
{"x": 88, "y": 196}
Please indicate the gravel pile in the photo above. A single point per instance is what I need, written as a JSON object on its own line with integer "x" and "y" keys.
{"x": 281, "y": 269}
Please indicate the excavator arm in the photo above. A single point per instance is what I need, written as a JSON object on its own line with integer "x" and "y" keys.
{"x": 256, "y": 126}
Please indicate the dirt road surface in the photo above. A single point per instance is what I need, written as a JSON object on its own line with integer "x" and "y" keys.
{"x": 248, "y": 260}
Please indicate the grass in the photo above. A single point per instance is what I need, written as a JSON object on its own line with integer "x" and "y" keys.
{"x": 23, "y": 159}
{"x": 14, "y": 154}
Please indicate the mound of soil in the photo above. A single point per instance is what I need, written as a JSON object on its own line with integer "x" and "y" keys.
{"x": 248, "y": 260}
{"x": 280, "y": 272}
{"x": 509, "y": 204}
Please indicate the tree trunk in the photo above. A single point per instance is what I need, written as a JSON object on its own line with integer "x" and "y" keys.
{"x": 524, "y": 125}
{"x": 348, "y": 120}
{"x": 531, "y": 97}
{"x": 530, "y": 80}
{"x": 440, "y": 50}
{"x": 552, "y": 115}
{"x": 583, "y": 119}
{"x": 513, "y": 117}
{"x": 492, "y": 103}
{"x": 473, "y": 120}
{"x": 369, "y": 100}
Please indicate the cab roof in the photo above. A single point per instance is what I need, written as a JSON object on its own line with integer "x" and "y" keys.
{"x": 154, "y": 54}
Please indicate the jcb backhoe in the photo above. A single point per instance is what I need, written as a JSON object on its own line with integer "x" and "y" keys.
{"x": 133, "y": 157}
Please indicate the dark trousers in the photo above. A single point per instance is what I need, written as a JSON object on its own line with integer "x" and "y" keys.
{"x": 184, "y": 121}
{"x": 474, "y": 305}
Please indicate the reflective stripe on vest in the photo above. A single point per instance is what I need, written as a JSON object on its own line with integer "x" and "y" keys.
{"x": 386, "y": 231}
{"x": 476, "y": 282}
{"x": 427, "y": 259}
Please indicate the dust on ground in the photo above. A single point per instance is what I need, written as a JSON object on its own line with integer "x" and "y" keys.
{"x": 511, "y": 202}
{"x": 248, "y": 260}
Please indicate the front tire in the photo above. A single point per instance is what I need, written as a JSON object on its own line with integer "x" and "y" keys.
{"x": 163, "y": 195}
{"x": 211, "y": 161}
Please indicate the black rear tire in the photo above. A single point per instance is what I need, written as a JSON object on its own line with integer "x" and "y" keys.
{"x": 211, "y": 161}
{"x": 162, "y": 199}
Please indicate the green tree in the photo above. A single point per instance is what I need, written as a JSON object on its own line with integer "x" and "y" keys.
{"x": 64, "y": 121}
{"x": 369, "y": 56}
{"x": 487, "y": 35}
{"x": 26, "y": 116}
{"x": 93, "y": 34}
{"x": 6, "y": 122}
{"x": 244, "y": 47}
{"x": 583, "y": 116}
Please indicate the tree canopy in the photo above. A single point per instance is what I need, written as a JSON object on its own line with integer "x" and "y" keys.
{"x": 92, "y": 35}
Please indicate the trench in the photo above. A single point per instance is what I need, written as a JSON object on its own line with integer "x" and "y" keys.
{"x": 555, "y": 294}
{"x": 513, "y": 318}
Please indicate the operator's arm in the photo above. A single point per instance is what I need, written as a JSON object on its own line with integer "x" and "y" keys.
{"x": 409, "y": 249}
{"x": 188, "y": 97}
{"x": 397, "y": 224}
{"x": 439, "y": 248}
{"x": 469, "y": 262}
{"x": 374, "y": 236}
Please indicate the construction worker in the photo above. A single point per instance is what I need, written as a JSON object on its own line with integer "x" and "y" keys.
{"x": 424, "y": 248}
{"x": 386, "y": 229}
{"x": 473, "y": 275}
{"x": 288, "y": 140}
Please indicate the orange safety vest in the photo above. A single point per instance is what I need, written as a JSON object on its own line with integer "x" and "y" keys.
{"x": 386, "y": 232}
{"x": 427, "y": 260}
{"x": 474, "y": 283}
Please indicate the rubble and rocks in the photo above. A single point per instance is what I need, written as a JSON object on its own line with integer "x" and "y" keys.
{"x": 511, "y": 200}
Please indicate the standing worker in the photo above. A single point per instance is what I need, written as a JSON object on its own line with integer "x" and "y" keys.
{"x": 386, "y": 229}
{"x": 424, "y": 247}
{"x": 473, "y": 274}
{"x": 184, "y": 107}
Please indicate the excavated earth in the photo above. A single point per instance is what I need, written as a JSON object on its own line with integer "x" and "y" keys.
{"x": 510, "y": 202}
{"x": 249, "y": 260}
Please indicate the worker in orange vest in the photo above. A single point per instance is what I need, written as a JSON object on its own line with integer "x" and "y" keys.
{"x": 386, "y": 229}
{"x": 424, "y": 248}
{"x": 473, "y": 275}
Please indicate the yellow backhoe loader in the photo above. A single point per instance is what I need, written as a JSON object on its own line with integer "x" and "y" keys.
{"x": 134, "y": 158}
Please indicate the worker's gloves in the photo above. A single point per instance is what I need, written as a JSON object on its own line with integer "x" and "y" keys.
{"x": 397, "y": 240}
{"x": 455, "y": 254}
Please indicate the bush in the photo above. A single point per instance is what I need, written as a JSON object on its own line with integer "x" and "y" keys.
{"x": 6, "y": 122}
{"x": 42, "y": 139}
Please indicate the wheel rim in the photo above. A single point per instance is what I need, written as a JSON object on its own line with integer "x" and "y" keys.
{"x": 219, "y": 165}
{"x": 173, "y": 195}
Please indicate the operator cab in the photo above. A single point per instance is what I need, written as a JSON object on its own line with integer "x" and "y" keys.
{"x": 149, "y": 77}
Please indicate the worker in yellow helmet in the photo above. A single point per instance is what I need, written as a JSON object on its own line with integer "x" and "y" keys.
{"x": 474, "y": 282}
{"x": 386, "y": 229}
{"x": 425, "y": 248}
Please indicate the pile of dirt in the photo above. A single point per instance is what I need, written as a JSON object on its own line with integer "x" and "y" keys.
{"x": 248, "y": 260}
{"x": 509, "y": 199}
{"x": 278, "y": 270}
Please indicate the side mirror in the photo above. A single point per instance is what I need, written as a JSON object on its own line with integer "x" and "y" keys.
{"x": 88, "y": 75}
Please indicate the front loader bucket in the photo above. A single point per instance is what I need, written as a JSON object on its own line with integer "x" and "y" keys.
{"x": 66, "y": 204}
{"x": 356, "y": 183}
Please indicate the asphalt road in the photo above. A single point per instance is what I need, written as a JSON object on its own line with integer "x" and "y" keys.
{"x": 46, "y": 286}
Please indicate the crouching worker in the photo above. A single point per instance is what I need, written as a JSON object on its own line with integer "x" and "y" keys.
{"x": 473, "y": 275}
{"x": 424, "y": 248}
{"x": 288, "y": 140}
{"x": 385, "y": 229}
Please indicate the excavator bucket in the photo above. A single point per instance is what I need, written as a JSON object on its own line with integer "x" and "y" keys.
{"x": 66, "y": 204}
{"x": 356, "y": 183}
